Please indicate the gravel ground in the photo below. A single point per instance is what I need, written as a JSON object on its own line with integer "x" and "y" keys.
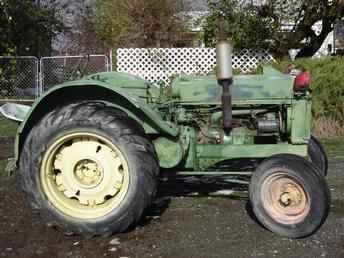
{"x": 185, "y": 221}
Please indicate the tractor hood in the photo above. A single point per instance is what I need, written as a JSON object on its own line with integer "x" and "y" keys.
{"x": 270, "y": 85}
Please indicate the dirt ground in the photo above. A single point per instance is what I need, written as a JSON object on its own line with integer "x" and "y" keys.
{"x": 190, "y": 218}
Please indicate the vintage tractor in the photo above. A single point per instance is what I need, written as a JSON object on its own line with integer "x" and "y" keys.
{"x": 89, "y": 151}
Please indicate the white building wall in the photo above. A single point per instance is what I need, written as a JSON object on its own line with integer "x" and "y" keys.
{"x": 323, "y": 51}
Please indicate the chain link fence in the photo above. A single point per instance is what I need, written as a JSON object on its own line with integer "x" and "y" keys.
{"x": 59, "y": 69}
{"x": 19, "y": 78}
{"x": 26, "y": 78}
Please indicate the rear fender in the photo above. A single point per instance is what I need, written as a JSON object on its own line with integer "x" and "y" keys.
{"x": 150, "y": 119}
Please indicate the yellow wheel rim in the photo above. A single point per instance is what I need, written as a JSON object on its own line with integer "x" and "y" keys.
{"x": 84, "y": 175}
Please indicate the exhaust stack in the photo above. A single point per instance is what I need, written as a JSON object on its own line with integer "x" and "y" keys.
{"x": 224, "y": 51}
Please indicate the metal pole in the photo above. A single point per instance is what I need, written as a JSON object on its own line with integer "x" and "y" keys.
{"x": 41, "y": 74}
{"x": 110, "y": 60}
{"x": 37, "y": 77}
{"x": 38, "y": 53}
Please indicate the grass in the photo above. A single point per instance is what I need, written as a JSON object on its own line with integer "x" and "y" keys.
{"x": 8, "y": 128}
{"x": 334, "y": 147}
{"x": 3, "y": 164}
{"x": 327, "y": 127}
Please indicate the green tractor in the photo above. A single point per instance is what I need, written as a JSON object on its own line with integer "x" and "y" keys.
{"x": 89, "y": 151}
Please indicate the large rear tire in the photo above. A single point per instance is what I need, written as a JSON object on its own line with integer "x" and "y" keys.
{"x": 289, "y": 197}
{"x": 89, "y": 169}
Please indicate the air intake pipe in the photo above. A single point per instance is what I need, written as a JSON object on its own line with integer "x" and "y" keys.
{"x": 224, "y": 51}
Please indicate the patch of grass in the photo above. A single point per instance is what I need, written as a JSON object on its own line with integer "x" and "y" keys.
{"x": 338, "y": 206}
{"x": 8, "y": 128}
{"x": 3, "y": 164}
{"x": 334, "y": 147}
{"x": 326, "y": 127}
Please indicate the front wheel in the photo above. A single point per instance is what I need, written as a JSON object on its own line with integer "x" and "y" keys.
{"x": 89, "y": 169}
{"x": 289, "y": 197}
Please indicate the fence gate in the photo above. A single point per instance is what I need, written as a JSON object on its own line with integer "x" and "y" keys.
{"x": 19, "y": 78}
{"x": 59, "y": 69}
{"x": 159, "y": 64}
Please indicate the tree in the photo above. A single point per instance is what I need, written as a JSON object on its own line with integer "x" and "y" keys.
{"x": 310, "y": 12}
{"x": 137, "y": 23}
{"x": 276, "y": 25}
{"x": 243, "y": 25}
{"x": 85, "y": 39}
{"x": 26, "y": 27}
{"x": 78, "y": 36}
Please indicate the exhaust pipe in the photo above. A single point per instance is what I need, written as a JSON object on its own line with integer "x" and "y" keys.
{"x": 224, "y": 52}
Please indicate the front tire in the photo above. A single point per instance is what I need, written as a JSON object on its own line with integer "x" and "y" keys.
{"x": 289, "y": 197}
{"x": 89, "y": 169}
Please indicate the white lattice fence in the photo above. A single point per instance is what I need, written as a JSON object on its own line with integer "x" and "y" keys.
{"x": 159, "y": 64}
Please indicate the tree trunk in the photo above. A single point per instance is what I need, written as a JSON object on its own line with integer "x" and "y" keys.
{"x": 316, "y": 42}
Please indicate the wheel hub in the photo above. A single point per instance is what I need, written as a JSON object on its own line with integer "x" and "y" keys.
{"x": 291, "y": 196}
{"x": 85, "y": 175}
{"x": 85, "y": 181}
{"x": 284, "y": 199}
{"x": 88, "y": 173}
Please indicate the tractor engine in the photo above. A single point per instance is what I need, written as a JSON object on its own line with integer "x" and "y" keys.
{"x": 228, "y": 123}
{"x": 247, "y": 126}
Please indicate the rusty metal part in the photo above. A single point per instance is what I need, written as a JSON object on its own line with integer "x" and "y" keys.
{"x": 285, "y": 199}
{"x": 226, "y": 105}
